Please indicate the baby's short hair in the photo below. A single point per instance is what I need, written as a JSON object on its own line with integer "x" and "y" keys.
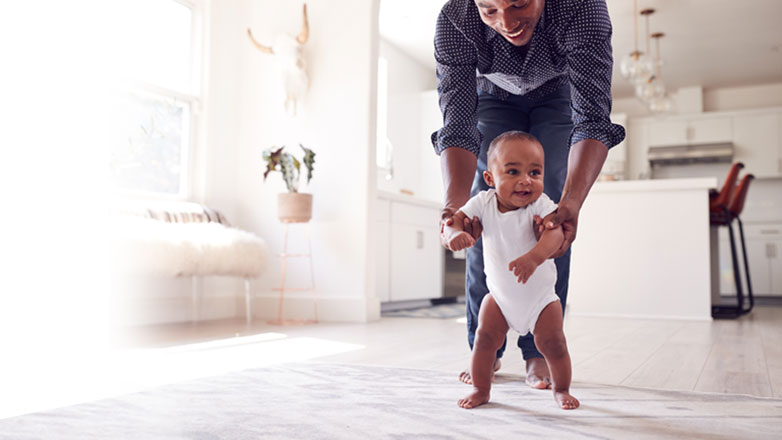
{"x": 509, "y": 135}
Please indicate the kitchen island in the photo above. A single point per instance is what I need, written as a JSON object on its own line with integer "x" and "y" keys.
{"x": 643, "y": 250}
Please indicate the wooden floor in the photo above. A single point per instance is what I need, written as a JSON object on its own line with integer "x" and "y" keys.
{"x": 741, "y": 356}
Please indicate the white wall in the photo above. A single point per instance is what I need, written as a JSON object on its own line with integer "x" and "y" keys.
{"x": 407, "y": 80}
{"x": 337, "y": 120}
{"x": 742, "y": 98}
{"x": 57, "y": 110}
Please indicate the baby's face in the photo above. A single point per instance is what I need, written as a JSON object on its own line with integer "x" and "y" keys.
{"x": 516, "y": 171}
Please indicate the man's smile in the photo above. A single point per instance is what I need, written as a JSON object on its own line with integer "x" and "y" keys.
{"x": 516, "y": 34}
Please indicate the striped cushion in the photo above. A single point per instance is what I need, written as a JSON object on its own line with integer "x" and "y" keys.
{"x": 175, "y": 212}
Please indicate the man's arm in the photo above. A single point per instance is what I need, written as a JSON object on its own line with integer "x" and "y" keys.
{"x": 458, "y": 167}
{"x": 458, "y": 142}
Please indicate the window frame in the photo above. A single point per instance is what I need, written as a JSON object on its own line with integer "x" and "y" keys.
{"x": 190, "y": 97}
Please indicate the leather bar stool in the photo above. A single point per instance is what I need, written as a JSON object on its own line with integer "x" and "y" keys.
{"x": 719, "y": 201}
{"x": 725, "y": 218}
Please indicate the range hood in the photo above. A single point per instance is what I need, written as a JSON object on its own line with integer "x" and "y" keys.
{"x": 691, "y": 153}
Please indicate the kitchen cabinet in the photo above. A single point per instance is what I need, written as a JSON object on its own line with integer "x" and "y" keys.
{"x": 774, "y": 257}
{"x": 764, "y": 252}
{"x": 690, "y": 130}
{"x": 667, "y": 132}
{"x": 410, "y": 259}
{"x": 756, "y": 140}
{"x": 382, "y": 246}
{"x": 756, "y": 136}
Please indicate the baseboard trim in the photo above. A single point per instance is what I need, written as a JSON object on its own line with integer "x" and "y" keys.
{"x": 170, "y": 301}
{"x": 330, "y": 309}
{"x": 167, "y": 310}
{"x": 639, "y": 316}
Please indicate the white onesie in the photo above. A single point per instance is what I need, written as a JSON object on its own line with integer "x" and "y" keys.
{"x": 507, "y": 236}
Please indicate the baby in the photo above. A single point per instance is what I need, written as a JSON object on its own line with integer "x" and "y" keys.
{"x": 519, "y": 273}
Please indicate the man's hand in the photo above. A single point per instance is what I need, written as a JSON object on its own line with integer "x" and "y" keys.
{"x": 523, "y": 267}
{"x": 471, "y": 226}
{"x": 565, "y": 216}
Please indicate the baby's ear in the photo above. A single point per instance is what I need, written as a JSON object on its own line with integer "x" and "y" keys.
{"x": 487, "y": 177}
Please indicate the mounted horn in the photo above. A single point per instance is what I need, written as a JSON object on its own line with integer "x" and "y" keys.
{"x": 260, "y": 46}
{"x": 305, "y": 28}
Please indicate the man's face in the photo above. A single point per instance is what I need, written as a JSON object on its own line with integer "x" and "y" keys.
{"x": 515, "y": 20}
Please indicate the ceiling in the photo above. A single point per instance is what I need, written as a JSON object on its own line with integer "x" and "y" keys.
{"x": 711, "y": 43}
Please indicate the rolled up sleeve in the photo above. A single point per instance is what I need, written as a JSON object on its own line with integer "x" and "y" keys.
{"x": 587, "y": 43}
{"x": 456, "y": 85}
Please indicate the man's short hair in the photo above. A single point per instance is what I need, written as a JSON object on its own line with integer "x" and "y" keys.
{"x": 509, "y": 135}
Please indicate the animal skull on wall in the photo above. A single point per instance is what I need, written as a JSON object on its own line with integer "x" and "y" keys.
{"x": 290, "y": 63}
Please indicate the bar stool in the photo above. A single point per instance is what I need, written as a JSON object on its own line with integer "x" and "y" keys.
{"x": 719, "y": 201}
{"x": 733, "y": 212}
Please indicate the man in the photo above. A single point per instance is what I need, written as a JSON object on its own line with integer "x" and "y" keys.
{"x": 538, "y": 66}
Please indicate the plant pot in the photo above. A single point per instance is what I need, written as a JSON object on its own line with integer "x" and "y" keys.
{"x": 294, "y": 207}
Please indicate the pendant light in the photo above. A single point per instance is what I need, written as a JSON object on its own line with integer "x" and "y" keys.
{"x": 635, "y": 66}
{"x": 658, "y": 100}
{"x": 654, "y": 86}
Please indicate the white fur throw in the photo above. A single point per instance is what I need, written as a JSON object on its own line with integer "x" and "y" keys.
{"x": 153, "y": 247}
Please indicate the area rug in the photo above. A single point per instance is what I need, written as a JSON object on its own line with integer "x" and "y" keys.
{"x": 441, "y": 311}
{"x": 336, "y": 401}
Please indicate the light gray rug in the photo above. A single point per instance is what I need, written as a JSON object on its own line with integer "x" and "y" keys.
{"x": 441, "y": 311}
{"x": 328, "y": 401}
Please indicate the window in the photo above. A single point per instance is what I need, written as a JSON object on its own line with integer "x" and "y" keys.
{"x": 152, "y": 155}
{"x": 385, "y": 151}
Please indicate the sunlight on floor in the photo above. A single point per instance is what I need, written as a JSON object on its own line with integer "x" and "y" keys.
{"x": 107, "y": 374}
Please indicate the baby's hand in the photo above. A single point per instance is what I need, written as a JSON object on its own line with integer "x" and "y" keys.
{"x": 523, "y": 267}
{"x": 460, "y": 240}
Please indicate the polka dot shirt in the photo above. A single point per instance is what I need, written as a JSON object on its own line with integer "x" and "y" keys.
{"x": 571, "y": 44}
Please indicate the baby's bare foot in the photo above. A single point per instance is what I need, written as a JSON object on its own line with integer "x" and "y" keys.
{"x": 465, "y": 377}
{"x": 477, "y": 397}
{"x": 565, "y": 400}
{"x": 538, "y": 376}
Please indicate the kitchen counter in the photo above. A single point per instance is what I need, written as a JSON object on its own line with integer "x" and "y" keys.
{"x": 643, "y": 250}
{"x": 655, "y": 185}
{"x": 405, "y": 198}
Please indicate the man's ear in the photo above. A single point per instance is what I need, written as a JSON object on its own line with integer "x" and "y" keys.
{"x": 487, "y": 177}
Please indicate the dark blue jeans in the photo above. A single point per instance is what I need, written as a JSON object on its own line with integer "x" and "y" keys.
{"x": 549, "y": 120}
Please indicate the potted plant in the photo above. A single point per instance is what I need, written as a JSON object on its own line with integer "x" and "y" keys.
{"x": 293, "y": 206}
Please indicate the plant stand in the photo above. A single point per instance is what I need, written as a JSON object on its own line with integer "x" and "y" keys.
{"x": 282, "y": 289}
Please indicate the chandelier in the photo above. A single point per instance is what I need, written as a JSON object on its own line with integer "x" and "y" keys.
{"x": 645, "y": 72}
